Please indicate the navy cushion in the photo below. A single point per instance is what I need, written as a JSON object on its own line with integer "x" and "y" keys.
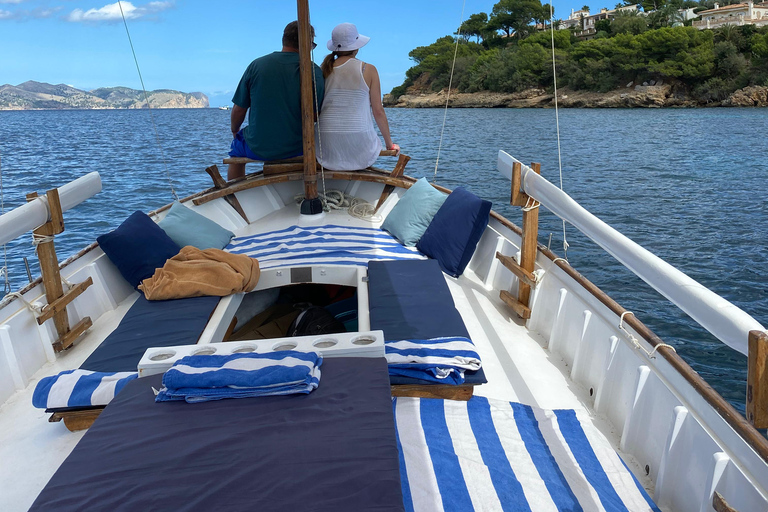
{"x": 138, "y": 247}
{"x": 452, "y": 236}
{"x": 409, "y": 299}
{"x": 157, "y": 323}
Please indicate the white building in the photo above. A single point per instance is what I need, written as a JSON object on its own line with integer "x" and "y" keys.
{"x": 736, "y": 14}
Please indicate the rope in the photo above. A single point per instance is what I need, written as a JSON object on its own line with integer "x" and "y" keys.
{"x": 4, "y": 268}
{"x": 530, "y": 204}
{"x": 41, "y": 239}
{"x": 651, "y": 354}
{"x": 146, "y": 98}
{"x": 557, "y": 118}
{"x": 36, "y": 309}
{"x": 317, "y": 116}
{"x": 447, "y": 96}
{"x": 338, "y": 200}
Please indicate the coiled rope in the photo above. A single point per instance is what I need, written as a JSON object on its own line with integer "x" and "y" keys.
{"x": 337, "y": 200}
{"x": 149, "y": 108}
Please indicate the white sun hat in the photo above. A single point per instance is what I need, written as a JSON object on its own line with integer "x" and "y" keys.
{"x": 346, "y": 38}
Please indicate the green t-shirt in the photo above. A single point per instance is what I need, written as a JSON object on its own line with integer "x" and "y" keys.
{"x": 270, "y": 87}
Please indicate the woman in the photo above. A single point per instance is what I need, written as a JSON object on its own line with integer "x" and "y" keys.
{"x": 346, "y": 139}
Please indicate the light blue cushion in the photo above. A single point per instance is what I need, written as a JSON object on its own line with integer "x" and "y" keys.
{"x": 410, "y": 217}
{"x": 187, "y": 227}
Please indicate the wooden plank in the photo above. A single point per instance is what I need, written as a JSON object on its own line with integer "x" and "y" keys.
{"x": 49, "y": 263}
{"x": 720, "y": 505}
{"x": 306, "y": 74}
{"x": 517, "y": 198}
{"x": 243, "y": 160}
{"x": 529, "y": 246}
{"x": 757, "y": 380}
{"x": 77, "y": 420}
{"x": 60, "y": 304}
{"x": 219, "y": 183}
{"x": 398, "y": 171}
{"x": 66, "y": 341}
{"x": 522, "y": 310}
{"x": 260, "y": 181}
{"x": 461, "y": 392}
{"x": 522, "y": 274}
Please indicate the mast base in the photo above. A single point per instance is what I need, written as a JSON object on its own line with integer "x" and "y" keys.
{"x": 311, "y": 206}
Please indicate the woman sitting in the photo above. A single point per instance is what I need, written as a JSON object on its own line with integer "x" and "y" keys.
{"x": 346, "y": 139}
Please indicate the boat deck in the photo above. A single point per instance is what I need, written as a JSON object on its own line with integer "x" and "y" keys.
{"x": 517, "y": 366}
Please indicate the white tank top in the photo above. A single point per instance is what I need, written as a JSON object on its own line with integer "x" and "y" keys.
{"x": 346, "y": 139}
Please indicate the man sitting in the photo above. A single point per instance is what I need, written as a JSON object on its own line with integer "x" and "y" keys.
{"x": 271, "y": 88}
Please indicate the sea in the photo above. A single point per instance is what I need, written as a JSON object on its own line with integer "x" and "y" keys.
{"x": 690, "y": 185}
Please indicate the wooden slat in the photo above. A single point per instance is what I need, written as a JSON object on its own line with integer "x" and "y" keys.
{"x": 398, "y": 171}
{"x": 462, "y": 392}
{"x": 529, "y": 246}
{"x": 77, "y": 420}
{"x": 260, "y": 181}
{"x": 522, "y": 274}
{"x": 243, "y": 160}
{"x": 720, "y": 505}
{"x": 757, "y": 379}
{"x": 219, "y": 183}
{"x": 522, "y": 311}
{"x": 517, "y": 198}
{"x": 66, "y": 341}
{"x": 60, "y": 304}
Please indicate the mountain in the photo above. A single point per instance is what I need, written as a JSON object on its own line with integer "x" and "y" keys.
{"x": 37, "y": 95}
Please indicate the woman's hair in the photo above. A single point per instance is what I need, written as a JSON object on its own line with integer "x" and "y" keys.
{"x": 327, "y": 65}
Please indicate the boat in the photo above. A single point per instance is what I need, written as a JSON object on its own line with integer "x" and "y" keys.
{"x": 549, "y": 339}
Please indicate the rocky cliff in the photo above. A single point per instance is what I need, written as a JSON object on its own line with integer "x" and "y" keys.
{"x": 36, "y": 96}
{"x": 654, "y": 96}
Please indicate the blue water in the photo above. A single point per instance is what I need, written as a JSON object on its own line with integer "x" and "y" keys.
{"x": 689, "y": 185}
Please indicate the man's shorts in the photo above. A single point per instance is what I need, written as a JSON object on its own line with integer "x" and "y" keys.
{"x": 239, "y": 148}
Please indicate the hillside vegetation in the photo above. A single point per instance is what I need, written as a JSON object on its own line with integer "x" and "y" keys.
{"x": 705, "y": 65}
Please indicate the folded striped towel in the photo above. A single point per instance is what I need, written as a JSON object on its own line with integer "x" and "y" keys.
{"x": 202, "y": 378}
{"x": 442, "y": 360}
{"x": 79, "y": 388}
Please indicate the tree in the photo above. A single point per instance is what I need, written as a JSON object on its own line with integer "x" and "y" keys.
{"x": 476, "y": 25}
{"x": 628, "y": 22}
{"x": 516, "y": 16}
{"x": 585, "y": 8}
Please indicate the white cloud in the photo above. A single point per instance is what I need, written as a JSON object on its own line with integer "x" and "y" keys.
{"x": 111, "y": 12}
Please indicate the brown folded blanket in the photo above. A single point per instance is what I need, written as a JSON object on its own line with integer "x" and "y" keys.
{"x": 195, "y": 273}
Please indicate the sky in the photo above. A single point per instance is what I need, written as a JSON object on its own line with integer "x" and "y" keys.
{"x": 195, "y": 45}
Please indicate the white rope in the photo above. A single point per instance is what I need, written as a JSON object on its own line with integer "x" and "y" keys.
{"x": 41, "y": 239}
{"x": 530, "y": 204}
{"x": 4, "y": 269}
{"x": 149, "y": 108}
{"x": 36, "y": 309}
{"x": 337, "y": 200}
{"x": 557, "y": 118}
{"x": 651, "y": 354}
{"x": 317, "y": 116}
{"x": 447, "y": 96}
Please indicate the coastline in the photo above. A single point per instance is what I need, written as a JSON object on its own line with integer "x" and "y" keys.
{"x": 632, "y": 96}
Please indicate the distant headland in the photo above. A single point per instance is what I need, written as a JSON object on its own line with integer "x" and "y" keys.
{"x": 42, "y": 96}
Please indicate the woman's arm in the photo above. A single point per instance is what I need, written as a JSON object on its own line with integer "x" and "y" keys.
{"x": 371, "y": 77}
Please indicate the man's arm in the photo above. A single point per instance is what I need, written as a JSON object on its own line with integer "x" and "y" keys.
{"x": 236, "y": 118}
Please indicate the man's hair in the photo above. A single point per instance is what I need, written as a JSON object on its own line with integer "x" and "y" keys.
{"x": 291, "y": 34}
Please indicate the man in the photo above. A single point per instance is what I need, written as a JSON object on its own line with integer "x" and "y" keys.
{"x": 271, "y": 88}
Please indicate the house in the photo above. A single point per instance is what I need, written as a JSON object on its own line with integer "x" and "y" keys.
{"x": 583, "y": 23}
{"x": 737, "y": 14}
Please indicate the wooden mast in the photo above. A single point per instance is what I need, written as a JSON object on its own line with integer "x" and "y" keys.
{"x": 311, "y": 204}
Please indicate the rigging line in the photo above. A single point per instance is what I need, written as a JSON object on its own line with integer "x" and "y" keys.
{"x": 447, "y": 96}
{"x": 317, "y": 117}
{"x": 146, "y": 98}
{"x": 557, "y": 118}
{"x": 4, "y": 269}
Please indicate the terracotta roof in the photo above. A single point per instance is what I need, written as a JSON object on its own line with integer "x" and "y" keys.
{"x": 726, "y": 7}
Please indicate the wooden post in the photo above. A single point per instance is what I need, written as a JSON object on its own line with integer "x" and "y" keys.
{"x": 219, "y": 183}
{"x": 49, "y": 267}
{"x": 529, "y": 246}
{"x": 311, "y": 204}
{"x": 402, "y": 161}
{"x": 517, "y": 198}
{"x": 757, "y": 380}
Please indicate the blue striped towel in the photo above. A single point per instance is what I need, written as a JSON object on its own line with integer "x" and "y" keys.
{"x": 441, "y": 360}
{"x": 326, "y": 245}
{"x": 495, "y": 455}
{"x": 203, "y": 378}
{"x": 79, "y": 388}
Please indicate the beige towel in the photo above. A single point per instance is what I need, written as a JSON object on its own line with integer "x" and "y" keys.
{"x": 195, "y": 273}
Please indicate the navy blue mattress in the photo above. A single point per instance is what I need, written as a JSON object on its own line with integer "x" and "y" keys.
{"x": 409, "y": 299}
{"x": 156, "y": 323}
{"x": 332, "y": 450}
